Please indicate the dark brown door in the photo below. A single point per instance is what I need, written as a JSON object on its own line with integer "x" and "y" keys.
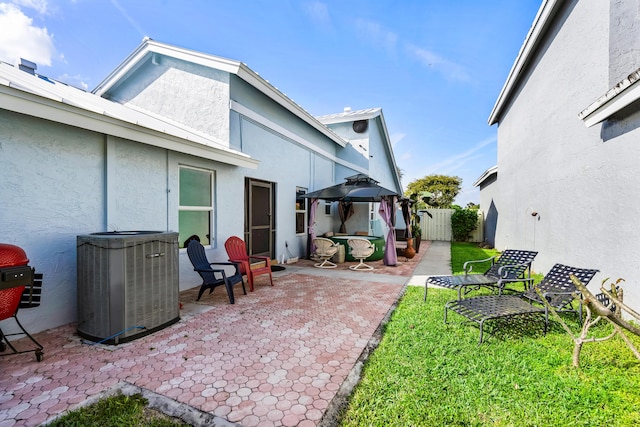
{"x": 260, "y": 218}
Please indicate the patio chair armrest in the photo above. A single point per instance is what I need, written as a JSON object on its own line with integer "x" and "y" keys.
{"x": 235, "y": 264}
{"x": 468, "y": 267}
{"x": 528, "y": 282}
{"x": 503, "y": 270}
{"x": 261, "y": 258}
{"x": 209, "y": 270}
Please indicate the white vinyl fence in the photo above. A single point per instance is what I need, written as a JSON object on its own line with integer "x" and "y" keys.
{"x": 438, "y": 226}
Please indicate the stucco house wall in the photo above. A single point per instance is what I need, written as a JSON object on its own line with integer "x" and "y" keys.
{"x": 190, "y": 94}
{"x": 68, "y": 182}
{"x": 54, "y": 177}
{"x": 579, "y": 180}
{"x": 74, "y": 163}
{"x": 291, "y": 152}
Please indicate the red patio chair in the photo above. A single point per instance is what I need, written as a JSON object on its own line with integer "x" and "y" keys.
{"x": 237, "y": 252}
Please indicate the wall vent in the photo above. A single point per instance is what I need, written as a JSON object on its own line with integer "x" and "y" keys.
{"x": 27, "y": 66}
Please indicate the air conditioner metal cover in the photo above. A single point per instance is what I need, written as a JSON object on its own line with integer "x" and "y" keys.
{"x": 127, "y": 284}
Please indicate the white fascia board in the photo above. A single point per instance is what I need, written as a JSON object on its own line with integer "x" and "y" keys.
{"x": 618, "y": 97}
{"x": 261, "y": 120}
{"x": 541, "y": 22}
{"x": 44, "y": 108}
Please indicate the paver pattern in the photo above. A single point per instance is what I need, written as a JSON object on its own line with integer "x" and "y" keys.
{"x": 275, "y": 358}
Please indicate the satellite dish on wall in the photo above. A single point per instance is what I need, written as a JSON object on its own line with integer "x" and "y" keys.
{"x": 360, "y": 126}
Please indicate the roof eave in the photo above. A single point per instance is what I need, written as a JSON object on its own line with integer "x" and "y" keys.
{"x": 251, "y": 77}
{"x": 351, "y": 116}
{"x": 34, "y": 105}
{"x": 621, "y": 95}
{"x": 149, "y": 46}
{"x": 389, "y": 146}
{"x": 485, "y": 175}
{"x": 541, "y": 23}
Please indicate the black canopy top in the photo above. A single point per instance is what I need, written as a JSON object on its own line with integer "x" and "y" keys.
{"x": 357, "y": 188}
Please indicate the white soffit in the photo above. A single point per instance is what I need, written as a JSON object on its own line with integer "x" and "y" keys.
{"x": 618, "y": 97}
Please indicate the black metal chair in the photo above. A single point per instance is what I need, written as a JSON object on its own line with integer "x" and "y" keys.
{"x": 509, "y": 267}
{"x": 213, "y": 277}
{"x": 556, "y": 287}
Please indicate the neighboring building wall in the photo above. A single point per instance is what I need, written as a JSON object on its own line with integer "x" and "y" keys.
{"x": 580, "y": 181}
{"x": 488, "y": 196}
{"x": 624, "y": 49}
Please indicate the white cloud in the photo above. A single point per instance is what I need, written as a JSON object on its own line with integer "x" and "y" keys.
{"x": 319, "y": 13}
{"x": 454, "y": 165}
{"x": 429, "y": 59}
{"x": 75, "y": 81}
{"x": 456, "y": 162}
{"x": 376, "y": 34}
{"x": 39, "y": 6}
{"x": 20, "y": 38}
{"x": 129, "y": 19}
{"x": 396, "y": 138}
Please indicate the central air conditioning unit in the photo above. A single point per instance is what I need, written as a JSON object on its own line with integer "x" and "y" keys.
{"x": 127, "y": 284}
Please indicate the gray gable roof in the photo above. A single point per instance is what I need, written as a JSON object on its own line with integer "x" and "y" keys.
{"x": 150, "y": 47}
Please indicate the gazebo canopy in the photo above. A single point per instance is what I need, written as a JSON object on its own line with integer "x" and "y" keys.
{"x": 356, "y": 188}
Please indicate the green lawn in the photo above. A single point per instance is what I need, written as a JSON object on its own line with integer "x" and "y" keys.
{"x": 117, "y": 411}
{"x": 426, "y": 373}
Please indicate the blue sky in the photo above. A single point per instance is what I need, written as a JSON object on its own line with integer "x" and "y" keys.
{"x": 435, "y": 67}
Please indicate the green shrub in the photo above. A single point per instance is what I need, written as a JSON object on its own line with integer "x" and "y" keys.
{"x": 463, "y": 222}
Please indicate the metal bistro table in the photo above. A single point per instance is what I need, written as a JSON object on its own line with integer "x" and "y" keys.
{"x": 377, "y": 241}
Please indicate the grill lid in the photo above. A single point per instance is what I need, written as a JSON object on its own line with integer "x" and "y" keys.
{"x": 12, "y": 256}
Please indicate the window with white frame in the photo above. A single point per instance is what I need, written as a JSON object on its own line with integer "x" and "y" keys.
{"x": 301, "y": 210}
{"x": 327, "y": 207}
{"x": 196, "y": 204}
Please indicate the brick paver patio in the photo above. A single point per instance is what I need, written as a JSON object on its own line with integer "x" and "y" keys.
{"x": 276, "y": 357}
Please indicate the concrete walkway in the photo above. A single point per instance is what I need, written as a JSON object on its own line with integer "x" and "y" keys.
{"x": 436, "y": 261}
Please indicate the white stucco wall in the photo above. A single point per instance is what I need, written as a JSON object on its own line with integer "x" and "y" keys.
{"x": 488, "y": 195}
{"x": 580, "y": 181}
{"x": 63, "y": 182}
{"x": 186, "y": 93}
{"x": 136, "y": 187}
{"x": 289, "y": 166}
{"x": 53, "y": 190}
